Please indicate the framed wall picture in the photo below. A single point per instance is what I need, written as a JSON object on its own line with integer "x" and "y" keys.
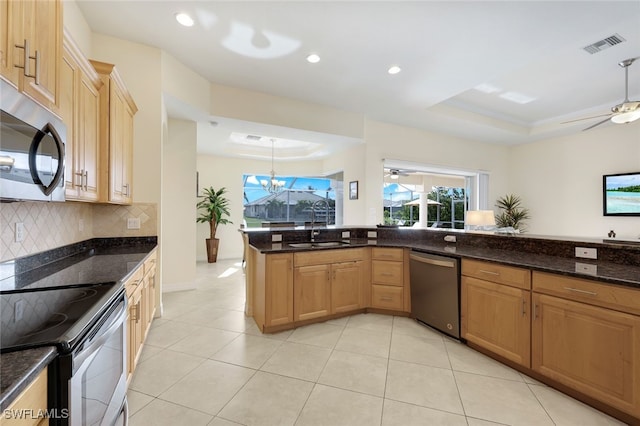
{"x": 353, "y": 190}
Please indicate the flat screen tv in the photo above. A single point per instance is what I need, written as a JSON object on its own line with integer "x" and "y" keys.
{"x": 621, "y": 194}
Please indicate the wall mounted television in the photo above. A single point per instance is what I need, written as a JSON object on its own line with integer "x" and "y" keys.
{"x": 621, "y": 194}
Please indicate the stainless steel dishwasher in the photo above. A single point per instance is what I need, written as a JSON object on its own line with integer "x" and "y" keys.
{"x": 435, "y": 291}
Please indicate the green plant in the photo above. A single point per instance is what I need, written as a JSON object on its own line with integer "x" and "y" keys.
{"x": 512, "y": 213}
{"x": 215, "y": 209}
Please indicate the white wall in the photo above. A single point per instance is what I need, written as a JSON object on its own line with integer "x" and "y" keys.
{"x": 560, "y": 180}
{"x": 388, "y": 141}
{"x": 179, "y": 192}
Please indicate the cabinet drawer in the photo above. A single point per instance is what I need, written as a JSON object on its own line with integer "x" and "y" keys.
{"x": 386, "y": 253}
{"x": 508, "y": 275}
{"x": 387, "y": 297}
{"x": 323, "y": 257}
{"x": 607, "y": 295}
{"x": 150, "y": 263}
{"x": 387, "y": 272}
{"x": 134, "y": 281}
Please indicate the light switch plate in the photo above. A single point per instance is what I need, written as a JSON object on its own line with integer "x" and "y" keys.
{"x": 450, "y": 238}
{"x": 276, "y": 238}
{"x": 346, "y": 234}
{"x": 372, "y": 234}
{"x": 19, "y": 232}
{"x": 586, "y": 253}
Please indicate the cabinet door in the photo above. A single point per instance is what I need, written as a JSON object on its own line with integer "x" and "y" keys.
{"x": 42, "y": 26}
{"x": 497, "y": 317}
{"x": 89, "y": 136}
{"x": 278, "y": 290}
{"x": 591, "y": 349}
{"x": 346, "y": 286}
{"x": 10, "y": 34}
{"x": 312, "y": 292}
{"x": 117, "y": 124}
{"x": 69, "y": 75}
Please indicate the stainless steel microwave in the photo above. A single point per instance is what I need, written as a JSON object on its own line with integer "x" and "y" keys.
{"x": 31, "y": 149}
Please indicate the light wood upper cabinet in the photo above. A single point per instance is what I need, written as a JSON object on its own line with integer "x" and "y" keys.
{"x": 36, "y": 27}
{"x": 117, "y": 109}
{"x": 80, "y": 110}
{"x": 495, "y": 310}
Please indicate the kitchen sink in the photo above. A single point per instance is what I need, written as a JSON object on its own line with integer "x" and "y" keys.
{"x": 319, "y": 244}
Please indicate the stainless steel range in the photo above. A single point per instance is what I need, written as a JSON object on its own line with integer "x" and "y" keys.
{"x": 87, "y": 324}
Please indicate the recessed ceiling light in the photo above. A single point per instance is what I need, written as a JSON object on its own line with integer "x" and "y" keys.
{"x": 184, "y": 19}
{"x": 394, "y": 69}
{"x": 487, "y": 88}
{"x": 313, "y": 58}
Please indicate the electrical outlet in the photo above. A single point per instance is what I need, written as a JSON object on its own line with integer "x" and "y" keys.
{"x": 276, "y": 238}
{"x": 586, "y": 268}
{"x": 19, "y": 234}
{"x": 587, "y": 253}
{"x": 372, "y": 234}
{"x": 133, "y": 223}
{"x": 450, "y": 238}
{"x": 346, "y": 234}
{"x": 18, "y": 310}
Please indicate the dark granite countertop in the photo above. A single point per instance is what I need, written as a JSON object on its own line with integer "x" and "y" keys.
{"x": 100, "y": 260}
{"x": 18, "y": 369}
{"x": 605, "y": 271}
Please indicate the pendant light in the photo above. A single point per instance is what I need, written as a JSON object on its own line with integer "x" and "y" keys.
{"x": 273, "y": 186}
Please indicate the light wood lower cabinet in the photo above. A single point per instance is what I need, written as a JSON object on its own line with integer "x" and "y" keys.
{"x": 495, "y": 309}
{"x": 346, "y": 286}
{"x": 271, "y": 279}
{"x": 31, "y": 400}
{"x": 497, "y": 317}
{"x": 312, "y": 292}
{"x": 140, "y": 290}
{"x": 592, "y": 349}
{"x": 390, "y": 279}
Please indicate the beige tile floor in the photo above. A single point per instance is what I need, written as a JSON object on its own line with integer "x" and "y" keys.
{"x": 205, "y": 363}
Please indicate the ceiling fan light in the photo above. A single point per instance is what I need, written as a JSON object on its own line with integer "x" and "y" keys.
{"x": 626, "y": 117}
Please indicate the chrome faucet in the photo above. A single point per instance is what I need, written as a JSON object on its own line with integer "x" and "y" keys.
{"x": 314, "y": 234}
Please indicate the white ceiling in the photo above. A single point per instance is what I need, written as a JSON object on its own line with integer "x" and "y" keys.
{"x": 446, "y": 50}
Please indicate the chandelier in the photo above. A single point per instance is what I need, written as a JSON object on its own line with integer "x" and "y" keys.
{"x": 273, "y": 185}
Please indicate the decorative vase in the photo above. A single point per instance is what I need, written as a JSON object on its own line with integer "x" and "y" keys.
{"x": 212, "y": 249}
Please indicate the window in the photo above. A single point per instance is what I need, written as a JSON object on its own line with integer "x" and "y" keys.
{"x": 449, "y": 194}
{"x": 296, "y": 200}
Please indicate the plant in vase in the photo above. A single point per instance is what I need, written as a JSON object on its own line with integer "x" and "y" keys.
{"x": 214, "y": 208}
{"x": 512, "y": 214}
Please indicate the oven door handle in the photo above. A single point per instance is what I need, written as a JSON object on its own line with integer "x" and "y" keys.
{"x": 87, "y": 352}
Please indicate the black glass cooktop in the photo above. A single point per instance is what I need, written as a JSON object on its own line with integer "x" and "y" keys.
{"x": 51, "y": 316}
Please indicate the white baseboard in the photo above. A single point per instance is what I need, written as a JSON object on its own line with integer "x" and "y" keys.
{"x": 171, "y": 287}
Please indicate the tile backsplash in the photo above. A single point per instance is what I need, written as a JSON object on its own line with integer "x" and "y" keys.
{"x": 51, "y": 225}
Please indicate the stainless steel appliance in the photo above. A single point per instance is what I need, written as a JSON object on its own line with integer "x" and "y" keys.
{"x": 31, "y": 149}
{"x": 87, "y": 324}
{"x": 435, "y": 291}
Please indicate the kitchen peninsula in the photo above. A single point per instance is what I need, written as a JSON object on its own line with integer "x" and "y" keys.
{"x": 528, "y": 301}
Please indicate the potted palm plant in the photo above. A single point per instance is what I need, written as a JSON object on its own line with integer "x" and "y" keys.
{"x": 214, "y": 208}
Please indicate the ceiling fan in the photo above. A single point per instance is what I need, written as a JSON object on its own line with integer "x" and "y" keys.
{"x": 395, "y": 174}
{"x": 625, "y": 112}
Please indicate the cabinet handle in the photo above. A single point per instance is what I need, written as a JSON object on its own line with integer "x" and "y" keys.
{"x": 386, "y": 274}
{"x": 125, "y": 188}
{"x": 81, "y": 177}
{"x": 86, "y": 180}
{"x": 134, "y": 312}
{"x": 386, "y": 298}
{"x": 489, "y": 272}
{"x": 26, "y": 67}
{"x": 577, "y": 290}
{"x": 524, "y": 304}
{"x": 535, "y": 310}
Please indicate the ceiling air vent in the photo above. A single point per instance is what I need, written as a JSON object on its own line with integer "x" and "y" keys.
{"x": 604, "y": 44}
